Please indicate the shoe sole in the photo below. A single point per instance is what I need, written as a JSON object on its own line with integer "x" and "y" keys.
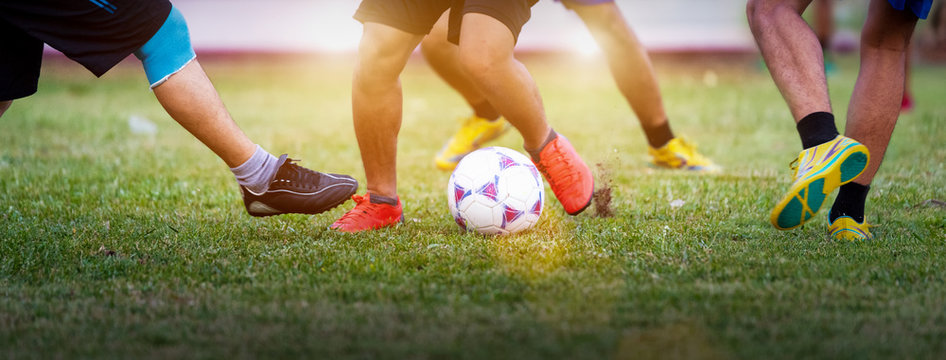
{"x": 849, "y": 235}
{"x": 353, "y": 231}
{"x": 804, "y": 199}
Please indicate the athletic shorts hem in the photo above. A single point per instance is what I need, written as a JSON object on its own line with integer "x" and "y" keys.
{"x": 364, "y": 16}
{"x": 18, "y": 93}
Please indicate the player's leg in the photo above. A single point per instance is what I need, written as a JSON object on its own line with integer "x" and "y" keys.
{"x": 444, "y": 57}
{"x": 191, "y": 100}
{"x": 377, "y": 110}
{"x": 794, "y": 58}
{"x": 157, "y": 34}
{"x": 392, "y": 30}
{"x": 874, "y": 107}
{"x": 485, "y": 124}
{"x": 792, "y": 54}
{"x": 270, "y": 185}
{"x": 635, "y": 77}
{"x": 629, "y": 64}
{"x": 906, "y": 104}
{"x": 824, "y": 23}
{"x": 376, "y": 102}
{"x": 486, "y": 54}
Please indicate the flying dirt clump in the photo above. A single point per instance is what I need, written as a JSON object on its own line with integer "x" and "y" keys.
{"x": 602, "y": 196}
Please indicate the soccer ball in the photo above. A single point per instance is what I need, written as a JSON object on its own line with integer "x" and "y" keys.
{"x": 495, "y": 191}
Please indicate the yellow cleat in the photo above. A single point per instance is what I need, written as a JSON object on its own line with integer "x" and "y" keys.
{"x": 679, "y": 154}
{"x": 819, "y": 171}
{"x": 475, "y": 132}
{"x": 845, "y": 228}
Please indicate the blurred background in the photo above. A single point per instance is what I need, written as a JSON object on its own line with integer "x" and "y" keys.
{"x": 327, "y": 25}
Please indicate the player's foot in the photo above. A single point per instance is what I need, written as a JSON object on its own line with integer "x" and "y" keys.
{"x": 475, "y": 132}
{"x": 369, "y": 216}
{"x": 906, "y": 104}
{"x": 679, "y": 154}
{"x": 819, "y": 170}
{"x": 846, "y": 228}
{"x": 295, "y": 189}
{"x": 567, "y": 174}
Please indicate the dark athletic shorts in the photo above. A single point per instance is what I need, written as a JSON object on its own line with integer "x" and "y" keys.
{"x": 95, "y": 33}
{"x": 920, "y": 8}
{"x": 419, "y": 16}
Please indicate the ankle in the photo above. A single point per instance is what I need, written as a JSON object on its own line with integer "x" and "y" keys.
{"x": 850, "y": 202}
{"x": 535, "y": 153}
{"x": 376, "y": 198}
{"x": 258, "y": 171}
{"x": 816, "y": 128}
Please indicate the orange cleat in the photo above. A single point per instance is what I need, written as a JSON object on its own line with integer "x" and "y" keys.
{"x": 369, "y": 216}
{"x": 568, "y": 176}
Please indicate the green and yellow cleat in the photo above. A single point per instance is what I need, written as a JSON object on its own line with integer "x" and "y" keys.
{"x": 679, "y": 154}
{"x": 846, "y": 228}
{"x": 475, "y": 132}
{"x": 818, "y": 172}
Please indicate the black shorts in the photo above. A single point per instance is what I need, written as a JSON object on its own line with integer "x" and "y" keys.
{"x": 419, "y": 16}
{"x": 95, "y": 33}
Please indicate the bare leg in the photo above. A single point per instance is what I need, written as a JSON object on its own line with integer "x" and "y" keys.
{"x": 792, "y": 54}
{"x": 376, "y": 102}
{"x": 824, "y": 22}
{"x": 907, "y": 103}
{"x": 874, "y": 106}
{"x": 4, "y": 105}
{"x": 486, "y": 54}
{"x": 190, "y": 98}
{"x": 907, "y": 64}
{"x": 444, "y": 57}
{"x": 628, "y": 60}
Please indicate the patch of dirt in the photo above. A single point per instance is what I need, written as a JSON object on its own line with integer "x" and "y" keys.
{"x": 602, "y": 195}
{"x": 106, "y": 252}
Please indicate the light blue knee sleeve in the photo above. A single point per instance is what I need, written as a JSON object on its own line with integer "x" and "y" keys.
{"x": 168, "y": 51}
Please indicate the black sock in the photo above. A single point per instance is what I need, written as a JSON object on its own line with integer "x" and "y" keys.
{"x": 816, "y": 129}
{"x": 535, "y": 153}
{"x": 485, "y": 110}
{"x": 659, "y": 136}
{"x": 378, "y": 199}
{"x": 850, "y": 202}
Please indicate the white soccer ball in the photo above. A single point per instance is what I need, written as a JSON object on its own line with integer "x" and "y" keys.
{"x": 496, "y": 191}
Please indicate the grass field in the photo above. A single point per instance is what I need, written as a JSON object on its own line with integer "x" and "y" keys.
{"x": 122, "y": 245}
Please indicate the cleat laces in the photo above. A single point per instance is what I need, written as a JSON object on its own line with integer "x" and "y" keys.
{"x": 363, "y": 210}
{"x": 291, "y": 174}
{"x": 560, "y": 170}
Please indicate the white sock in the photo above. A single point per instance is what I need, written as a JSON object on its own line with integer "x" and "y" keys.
{"x": 256, "y": 173}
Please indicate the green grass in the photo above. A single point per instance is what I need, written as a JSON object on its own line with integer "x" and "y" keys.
{"x": 117, "y": 245}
